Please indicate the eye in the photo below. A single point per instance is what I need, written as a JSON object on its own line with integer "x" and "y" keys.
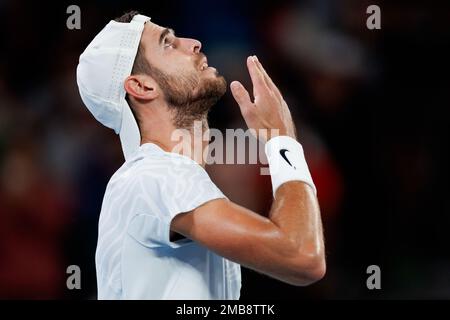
{"x": 169, "y": 42}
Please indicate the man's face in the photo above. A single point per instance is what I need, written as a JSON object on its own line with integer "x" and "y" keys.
{"x": 189, "y": 85}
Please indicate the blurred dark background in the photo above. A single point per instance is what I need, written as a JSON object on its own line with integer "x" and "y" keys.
{"x": 370, "y": 107}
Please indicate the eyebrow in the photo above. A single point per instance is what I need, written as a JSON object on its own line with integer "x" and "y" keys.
{"x": 164, "y": 33}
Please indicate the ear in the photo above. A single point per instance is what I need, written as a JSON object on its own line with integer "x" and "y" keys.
{"x": 141, "y": 87}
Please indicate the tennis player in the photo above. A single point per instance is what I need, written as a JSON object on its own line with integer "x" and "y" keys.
{"x": 165, "y": 230}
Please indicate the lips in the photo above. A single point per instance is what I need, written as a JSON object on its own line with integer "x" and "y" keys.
{"x": 204, "y": 64}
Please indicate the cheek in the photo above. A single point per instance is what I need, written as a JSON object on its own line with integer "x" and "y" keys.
{"x": 175, "y": 64}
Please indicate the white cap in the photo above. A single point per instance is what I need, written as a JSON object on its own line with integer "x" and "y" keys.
{"x": 101, "y": 71}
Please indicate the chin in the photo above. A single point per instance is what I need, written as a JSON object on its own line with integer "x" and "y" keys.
{"x": 221, "y": 83}
{"x": 210, "y": 71}
{"x": 213, "y": 86}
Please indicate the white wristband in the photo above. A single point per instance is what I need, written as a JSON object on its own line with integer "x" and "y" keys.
{"x": 287, "y": 162}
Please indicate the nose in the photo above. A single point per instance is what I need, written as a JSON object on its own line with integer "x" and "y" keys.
{"x": 194, "y": 46}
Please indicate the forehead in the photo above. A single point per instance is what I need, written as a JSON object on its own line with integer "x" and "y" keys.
{"x": 151, "y": 33}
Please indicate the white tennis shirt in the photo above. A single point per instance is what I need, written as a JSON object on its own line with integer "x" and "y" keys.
{"x": 135, "y": 258}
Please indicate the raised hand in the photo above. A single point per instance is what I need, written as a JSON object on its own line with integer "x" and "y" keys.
{"x": 268, "y": 110}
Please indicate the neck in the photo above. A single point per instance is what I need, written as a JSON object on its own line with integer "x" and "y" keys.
{"x": 187, "y": 141}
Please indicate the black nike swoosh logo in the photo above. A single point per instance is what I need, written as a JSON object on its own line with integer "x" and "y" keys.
{"x": 283, "y": 154}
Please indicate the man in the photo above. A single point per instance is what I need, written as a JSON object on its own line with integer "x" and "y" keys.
{"x": 165, "y": 230}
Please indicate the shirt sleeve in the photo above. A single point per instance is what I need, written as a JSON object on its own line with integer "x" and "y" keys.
{"x": 173, "y": 190}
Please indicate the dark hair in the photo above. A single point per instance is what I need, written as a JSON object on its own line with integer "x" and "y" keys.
{"x": 127, "y": 16}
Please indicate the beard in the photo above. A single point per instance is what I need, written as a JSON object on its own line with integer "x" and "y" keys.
{"x": 189, "y": 95}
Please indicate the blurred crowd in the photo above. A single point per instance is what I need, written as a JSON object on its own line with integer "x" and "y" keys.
{"x": 369, "y": 106}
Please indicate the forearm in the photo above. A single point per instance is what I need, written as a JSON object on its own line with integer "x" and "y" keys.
{"x": 295, "y": 211}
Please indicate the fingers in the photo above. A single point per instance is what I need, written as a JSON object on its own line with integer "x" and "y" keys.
{"x": 242, "y": 97}
{"x": 268, "y": 80}
{"x": 259, "y": 84}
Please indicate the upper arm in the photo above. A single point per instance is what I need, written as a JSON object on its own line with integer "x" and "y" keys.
{"x": 242, "y": 236}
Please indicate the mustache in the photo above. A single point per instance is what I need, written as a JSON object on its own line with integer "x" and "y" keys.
{"x": 201, "y": 57}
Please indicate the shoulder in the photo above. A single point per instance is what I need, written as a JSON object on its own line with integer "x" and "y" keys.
{"x": 163, "y": 170}
{"x": 168, "y": 166}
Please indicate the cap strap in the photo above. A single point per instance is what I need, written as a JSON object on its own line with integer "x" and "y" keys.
{"x": 140, "y": 18}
